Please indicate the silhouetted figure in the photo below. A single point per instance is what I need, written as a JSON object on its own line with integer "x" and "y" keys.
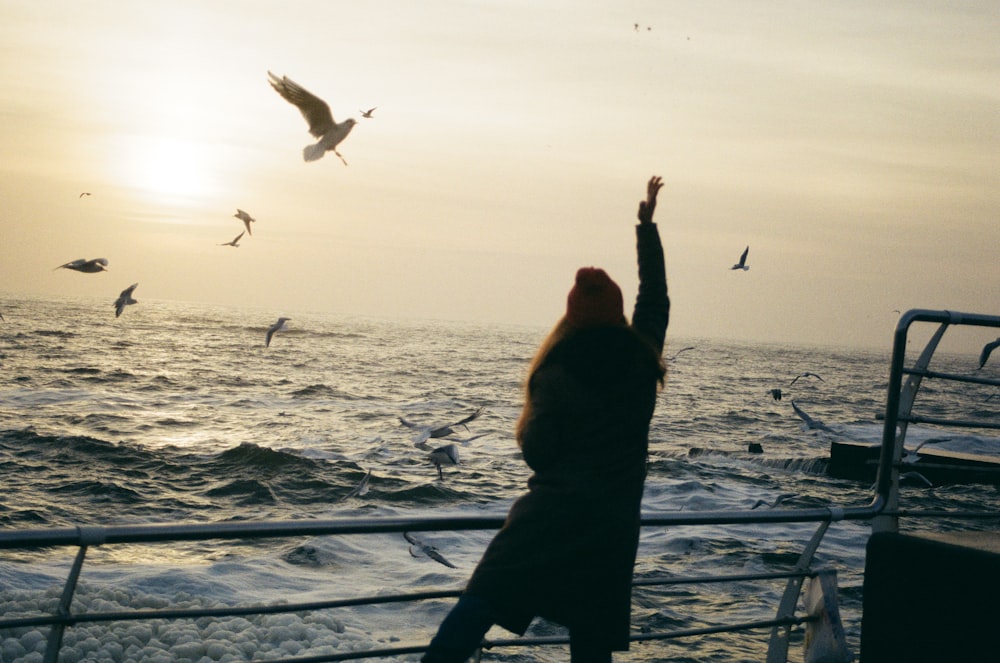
{"x": 567, "y": 548}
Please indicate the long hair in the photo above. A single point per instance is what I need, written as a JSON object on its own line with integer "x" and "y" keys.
{"x": 562, "y": 329}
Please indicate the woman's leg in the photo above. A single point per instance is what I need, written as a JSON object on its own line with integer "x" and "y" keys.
{"x": 461, "y": 631}
{"x": 583, "y": 648}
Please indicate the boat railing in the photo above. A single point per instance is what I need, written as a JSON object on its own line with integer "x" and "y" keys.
{"x": 787, "y": 619}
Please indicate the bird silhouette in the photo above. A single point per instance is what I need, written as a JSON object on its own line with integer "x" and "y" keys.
{"x": 317, "y": 115}
{"x": 742, "y": 264}
{"x": 91, "y": 266}
{"x": 124, "y": 299}
{"x": 245, "y": 218}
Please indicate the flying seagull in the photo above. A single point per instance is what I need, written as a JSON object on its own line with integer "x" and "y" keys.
{"x": 245, "y": 218}
{"x": 773, "y": 504}
{"x": 446, "y": 455}
{"x": 361, "y": 488}
{"x": 676, "y": 354}
{"x": 85, "y": 193}
{"x": 368, "y": 113}
{"x": 987, "y": 349}
{"x": 276, "y": 327}
{"x": 317, "y": 115}
{"x": 235, "y": 241}
{"x": 422, "y": 548}
{"x": 86, "y": 266}
{"x": 807, "y": 374}
{"x": 124, "y": 299}
{"x": 808, "y": 422}
{"x": 742, "y": 264}
{"x": 425, "y": 433}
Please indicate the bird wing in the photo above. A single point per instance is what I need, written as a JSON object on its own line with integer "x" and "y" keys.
{"x": 314, "y": 110}
{"x": 987, "y": 349}
{"x": 471, "y": 417}
{"x": 73, "y": 264}
{"x": 743, "y": 257}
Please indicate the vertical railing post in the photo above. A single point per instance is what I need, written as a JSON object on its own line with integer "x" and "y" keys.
{"x": 54, "y": 643}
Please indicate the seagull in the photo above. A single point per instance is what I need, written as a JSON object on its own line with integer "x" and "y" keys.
{"x": 809, "y": 422}
{"x": 245, "y": 218}
{"x": 676, "y": 354}
{"x": 317, "y": 115}
{"x": 368, "y": 113}
{"x": 361, "y": 488}
{"x": 276, "y": 327}
{"x": 124, "y": 299}
{"x": 425, "y": 433}
{"x": 235, "y": 241}
{"x": 777, "y": 500}
{"x": 85, "y": 193}
{"x": 86, "y": 266}
{"x": 807, "y": 374}
{"x": 446, "y": 455}
{"x": 425, "y": 549}
{"x": 742, "y": 264}
{"x": 987, "y": 349}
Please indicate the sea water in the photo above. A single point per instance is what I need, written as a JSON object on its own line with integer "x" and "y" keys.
{"x": 179, "y": 413}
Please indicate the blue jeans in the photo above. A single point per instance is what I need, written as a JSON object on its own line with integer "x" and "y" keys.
{"x": 463, "y": 629}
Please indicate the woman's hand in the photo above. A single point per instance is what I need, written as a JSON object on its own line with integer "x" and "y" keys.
{"x": 646, "y": 207}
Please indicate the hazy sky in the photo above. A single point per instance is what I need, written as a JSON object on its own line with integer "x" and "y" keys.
{"x": 854, "y": 146}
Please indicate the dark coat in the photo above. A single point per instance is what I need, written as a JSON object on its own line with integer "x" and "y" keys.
{"x": 567, "y": 547}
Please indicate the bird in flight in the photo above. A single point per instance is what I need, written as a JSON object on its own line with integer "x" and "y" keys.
{"x": 86, "y": 266}
{"x": 418, "y": 547}
{"x": 318, "y": 117}
{"x": 85, "y": 193}
{"x": 245, "y": 218}
{"x": 276, "y": 327}
{"x": 234, "y": 241}
{"x": 807, "y": 374}
{"x": 368, "y": 113}
{"x": 987, "y": 349}
{"x": 446, "y": 455}
{"x": 742, "y": 264}
{"x": 124, "y": 299}
{"x": 425, "y": 433}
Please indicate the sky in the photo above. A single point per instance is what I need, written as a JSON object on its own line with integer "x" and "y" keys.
{"x": 853, "y": 146}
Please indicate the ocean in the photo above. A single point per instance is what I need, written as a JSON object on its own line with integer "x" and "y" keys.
{"x": 178, "y": 412}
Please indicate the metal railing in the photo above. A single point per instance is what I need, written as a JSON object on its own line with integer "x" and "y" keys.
{"x": 882, "y": 511}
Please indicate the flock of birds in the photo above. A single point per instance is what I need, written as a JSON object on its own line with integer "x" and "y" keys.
{"x": 321, "y": 124}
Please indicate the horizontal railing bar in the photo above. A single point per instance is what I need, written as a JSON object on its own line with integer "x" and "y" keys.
{"x": 157, "y": 533}
{"x": 552, "y": 640}
{"x": 957, "y": 423}
{"x": 239, "y": 611}
{"x": 232, "y": 611}
{"x": 971, "y": 379}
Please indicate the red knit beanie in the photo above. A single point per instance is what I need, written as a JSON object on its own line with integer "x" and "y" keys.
{"x": 594, "y": 300}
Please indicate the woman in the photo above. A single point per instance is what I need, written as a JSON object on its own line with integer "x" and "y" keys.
{"x": 567, "y": 547}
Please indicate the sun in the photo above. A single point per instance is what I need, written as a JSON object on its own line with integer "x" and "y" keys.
{"x": 165, "y": 167}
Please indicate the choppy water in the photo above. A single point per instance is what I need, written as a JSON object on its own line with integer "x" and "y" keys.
{"x": 177, "y": 412}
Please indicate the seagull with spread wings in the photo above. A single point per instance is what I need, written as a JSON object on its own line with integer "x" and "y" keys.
{"x": 234, "y": 241}
{"x": 276, "y": 327}
{"x": 742, "y": 264}
{"x": 245, "y": 218}
{"x": 987, "y": 349}
{"x": 124, "y": 299}
{"x": 425, "y": 433}
{"x": 91, "y": 266}
{"x": 318, "y": 117}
